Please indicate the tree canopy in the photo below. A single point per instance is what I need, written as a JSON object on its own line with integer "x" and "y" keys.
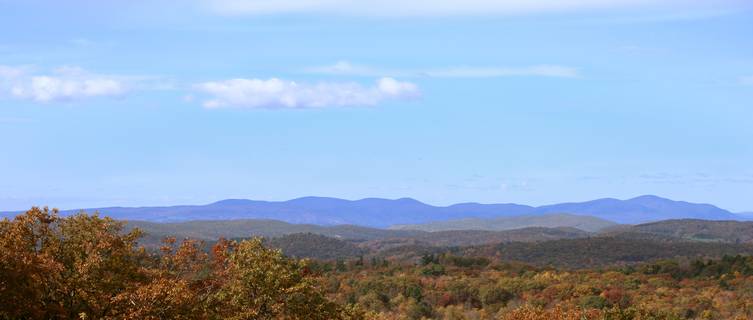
{"x": 86, "y": 267}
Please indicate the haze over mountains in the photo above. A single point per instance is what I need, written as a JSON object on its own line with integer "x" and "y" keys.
{"x": 554, "y": 220}
{"x": 381, "y": 213}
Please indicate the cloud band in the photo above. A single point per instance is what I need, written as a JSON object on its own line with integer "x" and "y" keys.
{"x": 276, "y": 93}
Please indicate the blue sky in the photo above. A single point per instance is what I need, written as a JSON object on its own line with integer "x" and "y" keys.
{"x": 535, "y": 102}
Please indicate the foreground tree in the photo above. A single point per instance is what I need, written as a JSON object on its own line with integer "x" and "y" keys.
{"x": 27, "y": 271}
{"x": 88, "y": 267}
{"x": 63, "y": 268}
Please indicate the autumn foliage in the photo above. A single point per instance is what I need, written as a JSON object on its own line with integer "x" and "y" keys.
{"x": 87, "y": 267}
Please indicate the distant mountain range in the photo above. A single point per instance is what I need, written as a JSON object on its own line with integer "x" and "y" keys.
{"x": 375, "y": 212}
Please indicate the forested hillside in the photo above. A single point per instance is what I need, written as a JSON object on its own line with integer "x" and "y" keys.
{"x": 696, "y": 230}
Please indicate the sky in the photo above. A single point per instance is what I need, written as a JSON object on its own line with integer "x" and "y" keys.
{"x": 136, "y": 103}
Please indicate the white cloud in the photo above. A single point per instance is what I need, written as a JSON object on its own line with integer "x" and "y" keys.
{"x": 277, "y": 93}
{"x": 747, "y": 80}
{"x": 401, "y": 8}
{"x": 61, "y": 84}
{"x": 46, "y": 88}
{"x": 347, "y": 68}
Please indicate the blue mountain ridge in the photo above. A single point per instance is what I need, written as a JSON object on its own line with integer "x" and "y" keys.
{"x": 377, "y": 212}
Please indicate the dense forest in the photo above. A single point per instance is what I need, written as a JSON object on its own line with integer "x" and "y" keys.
{"x": 91, "y": 267}
{"x": 446, "y": 286}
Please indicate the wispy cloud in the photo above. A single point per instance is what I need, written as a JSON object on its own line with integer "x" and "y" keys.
{"x": 396, "y": 8}
{"x": 276, "y": 93}
{"x": 60, "y": 84}
{"x": 346, "y": 68}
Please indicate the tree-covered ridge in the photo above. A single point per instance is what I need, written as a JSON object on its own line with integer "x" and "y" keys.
{"x": 699, "y": 230}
